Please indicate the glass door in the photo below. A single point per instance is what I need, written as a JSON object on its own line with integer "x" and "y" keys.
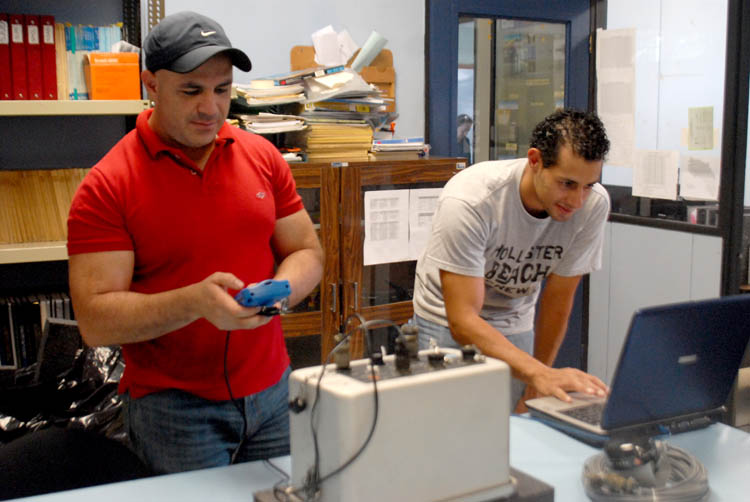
{"x": 495, "y": 69}
{"x": 511, "y": 74}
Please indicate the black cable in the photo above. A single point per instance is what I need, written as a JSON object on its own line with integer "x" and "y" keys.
{"x": 686, "y": 479}
{"x": 369, "y": 436}
{"x": 313, "y": 430}
{"x": 276, "y": 468}
{"x": 313, "y": 482}
{"x": 240, "y": 408}
{"x": 362, "y": 322}
{"x": 278, "y": 492}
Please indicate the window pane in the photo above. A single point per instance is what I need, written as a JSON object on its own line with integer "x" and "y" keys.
{"x": 661, "y": 97}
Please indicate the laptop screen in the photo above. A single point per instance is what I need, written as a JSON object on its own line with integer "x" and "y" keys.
{"x": 678, "y": 360}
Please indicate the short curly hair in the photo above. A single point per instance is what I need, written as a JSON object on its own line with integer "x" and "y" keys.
{"x": 582, "y": 131}
{"x": 464, "y": 119}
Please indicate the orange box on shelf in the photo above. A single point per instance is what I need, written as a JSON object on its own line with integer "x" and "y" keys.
{"x": 113, "y": 75}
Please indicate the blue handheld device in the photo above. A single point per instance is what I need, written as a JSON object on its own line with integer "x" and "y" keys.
{"x": 264, "y": 294}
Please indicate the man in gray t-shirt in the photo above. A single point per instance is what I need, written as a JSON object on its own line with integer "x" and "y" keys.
{"x": 500, "y": 229}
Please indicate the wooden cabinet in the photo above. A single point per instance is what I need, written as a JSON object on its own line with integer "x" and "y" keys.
{"x": 334, "y": 197}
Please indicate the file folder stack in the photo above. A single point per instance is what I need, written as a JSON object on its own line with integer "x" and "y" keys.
{"x": 42, "y": 59}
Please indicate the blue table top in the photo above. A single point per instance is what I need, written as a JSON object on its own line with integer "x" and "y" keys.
{"x": 535, "y": 449}
{"x": 558, "y": 459}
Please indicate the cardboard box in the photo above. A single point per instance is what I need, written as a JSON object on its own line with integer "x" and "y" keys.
{"x": 385, "y": 80}
{"x": 113, "y": 75}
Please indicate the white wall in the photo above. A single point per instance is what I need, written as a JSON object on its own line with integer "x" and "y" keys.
{"x": 644, "y": 266}
{"x": 268, "y": 30}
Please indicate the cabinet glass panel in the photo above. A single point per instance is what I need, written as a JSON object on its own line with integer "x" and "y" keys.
{"x": 311, "y": 201}
{"x": 390, "y": 282}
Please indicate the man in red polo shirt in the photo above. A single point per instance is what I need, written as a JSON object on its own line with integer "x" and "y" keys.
{"x": 184, "y": 211}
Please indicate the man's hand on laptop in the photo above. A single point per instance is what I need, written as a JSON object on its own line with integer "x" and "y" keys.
{"x": 559, "y": 381}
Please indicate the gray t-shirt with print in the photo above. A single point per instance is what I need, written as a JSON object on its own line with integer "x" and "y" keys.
{"x": 481, "y": 229}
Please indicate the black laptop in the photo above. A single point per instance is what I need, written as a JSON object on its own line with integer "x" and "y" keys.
{"x": 676, "y": 370}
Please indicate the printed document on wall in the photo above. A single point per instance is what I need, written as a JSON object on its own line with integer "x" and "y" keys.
{"x": 422, "y": 206}
{"x": 386, "y": 226}
{"x": 615, "y": 70}
{"x": 699, "y": 177}
{"x": 701, "y": 128}
{"x": 655, "y": 174}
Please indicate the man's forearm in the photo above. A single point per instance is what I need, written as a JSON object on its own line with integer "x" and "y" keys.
{"x": 120, "y": 317}
{"x": 548, "y": 337}
{"x": 492, "y": 343}
{"x": 303, "y": 269}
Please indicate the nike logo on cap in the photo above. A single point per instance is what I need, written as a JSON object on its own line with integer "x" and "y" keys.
{"x": 207, "y": 33}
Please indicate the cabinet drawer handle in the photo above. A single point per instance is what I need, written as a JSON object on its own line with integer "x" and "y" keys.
{"x": 334, "y": 299}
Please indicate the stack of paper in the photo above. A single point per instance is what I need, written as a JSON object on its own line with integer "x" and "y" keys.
{"x": 330, "y": 141}
{"x": 278, "y": 95}
{"x": 364, "y": 104}
{"x": 271, "y": 123}
{"x": 345, "y": 96}
{"x": 398, "y": 144}
{"x": 346, "y": 83}
{"x": 294, "y": 77}
{"x": 398, "y": 148}
{"x": 78, "y": 42}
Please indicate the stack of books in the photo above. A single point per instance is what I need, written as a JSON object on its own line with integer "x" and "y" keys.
{"x": 398, "y": 149}
{"x": 281, "y": 88}
{"x": 22, "y": 320}
{"x": 251, "y": 96}
{"x": 346, "y": 96}
{"x": 342, "y": 111}
{"x": 79, "y": 41}
{"x": 334, "y": 141}
{"x": 27, "y": 57}
{"x": 364, "y": 104}
{"x": 271, "y": 123}
{"x": 45, "y": 59}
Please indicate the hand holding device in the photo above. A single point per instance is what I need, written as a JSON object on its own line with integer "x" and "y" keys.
{"x": 264, "y": 295}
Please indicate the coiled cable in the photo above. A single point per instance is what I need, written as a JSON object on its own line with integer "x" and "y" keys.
{"x": 682, "y": 478}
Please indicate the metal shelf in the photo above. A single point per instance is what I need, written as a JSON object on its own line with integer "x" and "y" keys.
{"x": 82, "y": 107}
{"x": 33, "y": 252}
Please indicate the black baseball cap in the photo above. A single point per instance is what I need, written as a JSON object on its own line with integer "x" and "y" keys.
{"x": 183, "y": 41}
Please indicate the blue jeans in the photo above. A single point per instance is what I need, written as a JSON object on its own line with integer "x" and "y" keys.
{"x": 176, "y": 431}
{"x": 443, "y": 337}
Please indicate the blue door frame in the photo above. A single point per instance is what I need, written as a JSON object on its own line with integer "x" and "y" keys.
{"x": 442, "y": 97}
{"x": 442, "y": 55}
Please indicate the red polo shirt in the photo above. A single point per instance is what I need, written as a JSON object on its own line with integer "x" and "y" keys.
{"x": 184, "y": 224}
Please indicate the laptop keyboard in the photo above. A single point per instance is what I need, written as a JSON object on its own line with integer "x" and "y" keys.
{"x": 589, "y": 413}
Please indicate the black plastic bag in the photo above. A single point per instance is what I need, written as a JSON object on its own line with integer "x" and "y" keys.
{"x": 82, "y": 396}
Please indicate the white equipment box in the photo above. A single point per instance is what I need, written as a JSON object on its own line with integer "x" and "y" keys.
{"x": 441, "y": 432}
